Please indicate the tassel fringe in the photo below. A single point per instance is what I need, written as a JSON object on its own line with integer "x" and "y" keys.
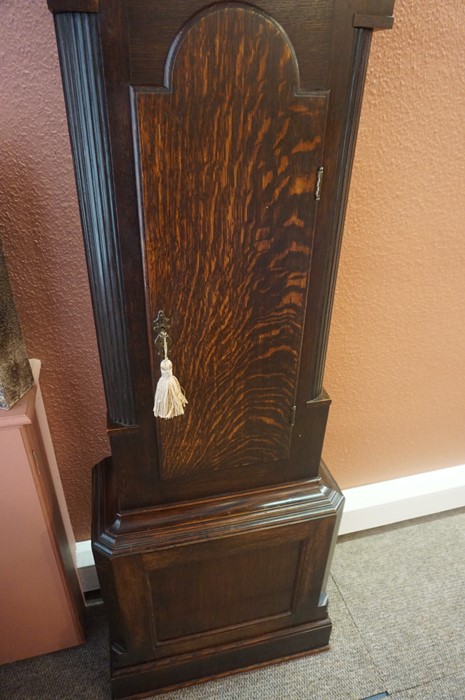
{"x": 169, "y": 397}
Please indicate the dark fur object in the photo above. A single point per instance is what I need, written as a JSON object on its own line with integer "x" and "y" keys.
{"x": 15, "y": 372}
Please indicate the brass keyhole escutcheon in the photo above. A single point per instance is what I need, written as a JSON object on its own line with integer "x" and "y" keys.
{"x": 161, "y": 326}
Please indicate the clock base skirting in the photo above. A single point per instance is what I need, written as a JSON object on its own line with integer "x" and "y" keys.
{"x": 200, "y": 589}
{"x": 152, "y": 678}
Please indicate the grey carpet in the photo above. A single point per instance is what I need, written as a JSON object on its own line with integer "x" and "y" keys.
{"x": 396, "y": 600}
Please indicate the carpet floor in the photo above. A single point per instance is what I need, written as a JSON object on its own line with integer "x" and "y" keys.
{"x": 397, "y": 603}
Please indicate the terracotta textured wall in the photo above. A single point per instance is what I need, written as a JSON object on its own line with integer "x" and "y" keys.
{"x": 396, "y": 355}
{"x": 396, "y": 361}
{"x": 39, "y": 225}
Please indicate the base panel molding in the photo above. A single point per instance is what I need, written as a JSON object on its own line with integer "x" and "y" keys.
{"x": 215, "y": 663}
{"x": 199, "y": 589}
{"x": 366, "y": 507}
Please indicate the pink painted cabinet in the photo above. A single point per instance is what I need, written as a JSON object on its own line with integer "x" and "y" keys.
{"x": 41, "y": 605}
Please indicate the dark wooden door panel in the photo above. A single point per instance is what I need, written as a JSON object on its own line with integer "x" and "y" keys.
{"x": 247, "y": 587}
{"x": 228, "y": 212}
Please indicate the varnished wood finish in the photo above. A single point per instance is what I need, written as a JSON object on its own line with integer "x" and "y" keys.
{"x": 235, "y": 671}
{"x": 359, "y": 63}
{"x": 228, "y": 213}
{"x": 373, "y": 21}
{"x": 135, "y": 41}
{"x": 210, "y": 608}
{"x": 147, "y": 57}
{"x": 188, "y": 669}
{"x": 135, "y": 531}
{"x": 211, "y": 123}
{"x": 73, "y": 5}
{"x": 253, "y": 563}
{"x": 81, "y": 68}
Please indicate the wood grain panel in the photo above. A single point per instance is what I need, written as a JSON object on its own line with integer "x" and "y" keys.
{"x": 301, "y": 21}
{"x": 203, "y": 574}
{"x": 246, "y": 587}
{"x": 228, "y": 210}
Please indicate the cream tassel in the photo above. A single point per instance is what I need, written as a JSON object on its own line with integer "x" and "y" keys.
{"x": 169, "y": 397}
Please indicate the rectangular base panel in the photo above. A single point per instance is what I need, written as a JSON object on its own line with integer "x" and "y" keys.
{"x": 153, "y": 678}
{"x": 204, "y": 588}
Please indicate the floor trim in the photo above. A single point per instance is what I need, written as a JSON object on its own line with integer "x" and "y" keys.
{"x": 86, "y": 566}
{"x": 401, "y": 499}
{"x": 366, "y": 507}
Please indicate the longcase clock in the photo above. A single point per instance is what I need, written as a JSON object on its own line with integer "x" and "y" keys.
{"x": 213, "y": 144}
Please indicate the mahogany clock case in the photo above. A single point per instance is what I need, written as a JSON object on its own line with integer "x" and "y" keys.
{"x": 213, "y": 146}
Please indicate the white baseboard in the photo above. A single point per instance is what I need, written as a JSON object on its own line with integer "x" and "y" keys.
{"x": 403, "y": 499}
{"x": 86, "y": 566}
{"x": 366, "y": 507}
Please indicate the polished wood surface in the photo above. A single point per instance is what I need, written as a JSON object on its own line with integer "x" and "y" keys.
{"x": 125, "y": 49}
{"x": 228, "y": 216}
{"x": 206, "y": 586}
{"x": 83, "y": 81}
{"x": 213, "y": 533}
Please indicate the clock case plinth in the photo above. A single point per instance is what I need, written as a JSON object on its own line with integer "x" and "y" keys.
{"x": 219, "y": 554}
